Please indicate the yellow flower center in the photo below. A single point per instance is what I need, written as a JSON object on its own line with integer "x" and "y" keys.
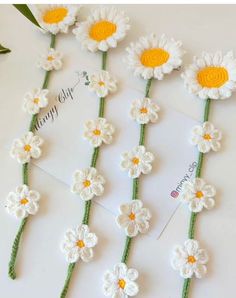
{"x": 207, "y": 137}
{"x": 102, "y": 30}
{"x": 143, "y": 110}
{"x": 199, "y": 194}
{"x": 97, "y": 132}
{"x": 50, "y": 58}
{"x": 101, "y": 83}
{"x": 132, "y": 216}
{"x": 212, "y": 77}
{"x": 122, "y": 283}
{"x": 80, "y": 243}
{"x": 55, "y": 15}
{"x": 154, "y": 57}
{"x": 24, "y": 201}
{"x": 191, "y": 259}
{"x": 36, "y": 100}
{"x": 135, "y": 161}
{"x": 86, "y": 183}
{"x": 27, "y": 148}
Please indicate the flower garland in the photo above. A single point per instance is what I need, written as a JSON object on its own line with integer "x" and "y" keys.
{"x": 151, "y": 59}
{"x": 210, "y": 77}
{"x": 103, "y": 29}
{"x": 23, "y": 201}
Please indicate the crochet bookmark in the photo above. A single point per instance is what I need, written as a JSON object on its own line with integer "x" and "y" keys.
{"x": 211, "y": 77}
{"x": 150, "y": 58}
{"x": 24, "y": 201}
{"x": 102, "y": 31}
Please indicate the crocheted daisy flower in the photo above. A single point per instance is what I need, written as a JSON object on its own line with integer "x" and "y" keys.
{"x": 104, "y": 28}
{"x": 78, "y": 244}
{"x": 56, "y": 18}
{"x": 144, "y": 111}
{"x": 189, "y": 259}
{"x": 206, "y": 137}
{"x": 98, "y": 131}
{"x": 22, "y": 202}
{"x": 26, "y": 147}
{"x": 120, "y": 282}
{"x": 51, "y": 60}
{"x": 137, "y": 161}
{"x": 211, "y": 76}
{"x": 134, "y": 218}
{"x": 102, "y": 83}
{"x": 151, "y": 57}
{"x": 198, "y": 195}
{"x": 88, "y": 183}
{"x": 34, "y": 100}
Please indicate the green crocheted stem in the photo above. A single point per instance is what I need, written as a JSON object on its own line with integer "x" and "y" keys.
{"x": 104, "y": 60}
{"x": 125, "y": 255}
{"x": 70, "y": 270}
{"x": 193, "y": 217}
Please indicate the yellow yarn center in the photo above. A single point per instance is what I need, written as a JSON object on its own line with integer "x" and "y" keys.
{"x": 154, "y": 57}
{"x": 101, "y": 83}
{"x": 207, "y": 137}
{"x": 191, "y": 259}
{"x": 97, "y": 132}
{"x": 36, "y": 100}
{"x": 212, "y": 77}
{"x": 27, "y": 148}
{"x": 132, "y": 216}
{"x": 86, "y": 183}
{"x": 55, "y": 15}
{"x": 121, "y": 283}
{"x": 102, "y": 30}
{"x": 24, "y": 201}
{"x": 143, "y": 110}
{"x": 80, "y": 243}
{"x": 135, "y": 161}
{"x": 50, "y": 58}
{"x": 199, "y": 194}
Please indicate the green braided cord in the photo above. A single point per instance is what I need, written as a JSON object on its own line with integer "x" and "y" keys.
{"x": 142, "y": 134}
{"x": 86, "y": 212}
{"x": 126, "y": 250}
{"x": 15, "y": 247}
{"x": 70, "y": 270}
{"x": 25, "y": 178}
{"x": 104, "y": 60}
{"x": 193, "y": 217}
{"x": 135, "y": 189}
{"x": 148, "y": 85}
{"x": 101, "y": 107}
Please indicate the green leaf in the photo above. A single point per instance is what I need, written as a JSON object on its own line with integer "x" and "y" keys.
{"x": 24, "y": 9}
{"x": 4, "y": 50}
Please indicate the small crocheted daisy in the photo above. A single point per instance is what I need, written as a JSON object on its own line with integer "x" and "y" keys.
{"x": 211, "y": 75}
{"x": 56, "y": 18}
{"x": 144, "y": 111}
{"x": 102, "y": 83}
{"x": 198, "y": 195}
{"x": 120, "y": 282}
{"x": 137, "y": 161}
{"x": 22, "y": 202}
{"x": 78, "y": 244}
{"x": 34, "y": 100}
{"x": 103, "y": 29}
{"x": 206, "y": 137}
{"x": 27, "y": 147}
{"x": 52, "y": 60}
{"x": 98, "y": 131}
{"x": 134, "y": 218}
{"x": 151, "y": 57}
{"x": 189, "y": 259}
{"x": 87, "y": 183}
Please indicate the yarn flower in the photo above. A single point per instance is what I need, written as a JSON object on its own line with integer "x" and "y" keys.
{"x": 120, "y": 282}
{"x": 137, "y": 161}
{"x": 144, "y": 111}
{"x": 211, "y": 75}
{"x": 189, "y": 259}
{"x": 52, "y": 60}
{"x": 206, "y": 137}
{"x": 22, "y": 202}
{"x": 98, "y": 131}
{"x": 198, "y": 195}
{"x": 34, "y": 100}
{"x": 151, "y": 57}
{"x": 27, "y": 147}
{"x": 56, "y": 18}
{"x": 134, "y": 218}
{"x": 87, "y": 183}
{"x": 103, "y": 29}
{"x": 78, "y": 244}
{"x": 102, "y": 83}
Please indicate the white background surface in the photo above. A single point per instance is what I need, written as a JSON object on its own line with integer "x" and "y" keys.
{"x": 41, "y": 267}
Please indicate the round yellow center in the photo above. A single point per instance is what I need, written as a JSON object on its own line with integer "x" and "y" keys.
{"x": 199, "y": 194}
{"x": 191, "y": 259}
{"x": 55, "y": 15}
{"x": 80, "y": 243}
{"x": 207, "y": 137}
{"x": 101, "y": 83}
{"x": 27, "y": 147}
{"x": 135, "y": 161}
{"x": 97, "y": 132}
{"x": 50, "y": 58}
{"x": 102, "y": 30}
{"x": 143, "y": 110}
{"x": 132, "y": 216}
{"x": 122, "y": 283}
{"x": 154, "y": 57}
{"x": 212, "y": 77}
{"x": 87, "y": 183}
{"x": 24, "y": 201}
{"x": 36, "y": 100}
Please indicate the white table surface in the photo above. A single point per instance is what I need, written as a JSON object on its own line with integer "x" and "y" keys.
{"x": 41, "y": 266}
